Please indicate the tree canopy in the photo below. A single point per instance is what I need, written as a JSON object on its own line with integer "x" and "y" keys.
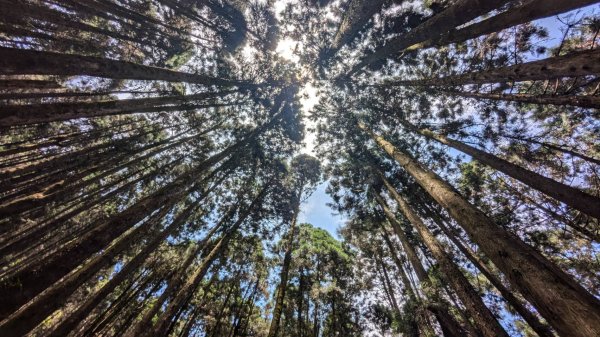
{"x": 156, "y": 157}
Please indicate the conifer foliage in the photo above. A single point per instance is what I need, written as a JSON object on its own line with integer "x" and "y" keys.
{"x": 154, "y": 168}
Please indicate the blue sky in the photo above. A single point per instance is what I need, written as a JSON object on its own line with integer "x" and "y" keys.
{"x": 316, "y": 212}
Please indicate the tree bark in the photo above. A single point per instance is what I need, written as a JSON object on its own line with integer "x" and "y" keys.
{"x": 565, "y": 304}
{"x": 284, "y": 275}
{"x": 34, "y": 280}
{"x": 541, "y": 329}
{"x": 450, "y": 327}
{"x": 144, "y": 324}
{"x": 31, "y": 62}
{"x": 581, "y": 63}
{"x": 529, "y": 11}
{"x": 26, "y": 114}
{"x": 359, "y": 12}
{"x": 163, "y": 322}
{"x": 481, "y": 314}
{"x": 73, "y": 319}
{"x": 571, "y": 196}
{"x": 461, "y": 12}
{"x": 589, "y": 101}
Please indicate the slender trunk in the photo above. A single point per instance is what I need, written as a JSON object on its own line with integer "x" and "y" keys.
{"x": 105, "y": 230}
{"x": 554, "y": 147}
{"x": 450, "y": 326}
{"x": 592, "y": 102}
{"x": 359, "y": 12}
{"x": 247, "y": 303}
{"x": 405, "y": 281}
{"x": 459, "y": 13}
{"x": 408, "y": 248}
{"x": 217, "y": 327}
{"x": 115, "y": 308}
{"x": 163, "y": 322}
{"x": 581, "y": 63}
{"x": 28, "y": 84}
{"x": 29, "y": 237}
{"x": 571, "y": 196}
{"x": 30, "y": 315}
{"x": 75, "y": 184}
{"x": 11, "y": 115}
{"x": 73, "y": 319}
{"x": 31, "y": 62}
{"x": 483, "y": 317}
{"x": 70, "y": 94}
{"x": 541, "y": 329}
{"x": 565, "y": 304}
{"x": 283, "y": 277}
{"x": 144, "y": 324}
{"x": 386, "y": 279}
{"x": 529, "y": 11}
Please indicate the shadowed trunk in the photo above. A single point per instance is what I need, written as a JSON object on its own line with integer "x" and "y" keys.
{"x": 529, "y": 11}
{"x": 581, "y": 63}
{"x": 571, "y": 196}
{"x": 461, "y": 12}
{"x": 565, "y": 304}
{"x": 589, "y": 101}
{"x": 25, "y": 62}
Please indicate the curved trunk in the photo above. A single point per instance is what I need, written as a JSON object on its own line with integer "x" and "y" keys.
{"x": 565, "y": 304}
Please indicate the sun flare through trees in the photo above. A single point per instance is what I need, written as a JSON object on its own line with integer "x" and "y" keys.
{"x": 157, "y": 157}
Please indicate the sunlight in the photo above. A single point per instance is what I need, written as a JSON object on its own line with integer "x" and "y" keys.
{"x": 309, "y": 98}
{"x": 286, "y": 48}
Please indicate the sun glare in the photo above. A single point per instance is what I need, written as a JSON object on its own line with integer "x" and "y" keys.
{"x": 286, "y": 48}
{"x": 309, "y": 97}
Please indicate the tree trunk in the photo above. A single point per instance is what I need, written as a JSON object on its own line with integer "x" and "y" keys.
{"x": 11, "y": 115}
{"x": 581, "y": 63}
{"x": 529, "y": 11}
{"x": 284, "y": 275}
{"x": 450, "y": 326}
{"x": 71, "y": 322}
{"x": 565, "y": 304}
{"x": 541, "y": 329}
{"x": 34, "y": 312}
{"x": 591, "y": 102}
{"x": 34, "y": 280}
{"x": 459, "y": 13}
{"x": 163, "y": 322}
{"x": 31, "y": 62}
{"x": 482, "y": 316}
{"x": 144, "y": 324}
{"x": 571, "y": 196}
{"x": 359, "y": 12}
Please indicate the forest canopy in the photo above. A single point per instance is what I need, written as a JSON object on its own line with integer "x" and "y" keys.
{"x": 156, "y": 158}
